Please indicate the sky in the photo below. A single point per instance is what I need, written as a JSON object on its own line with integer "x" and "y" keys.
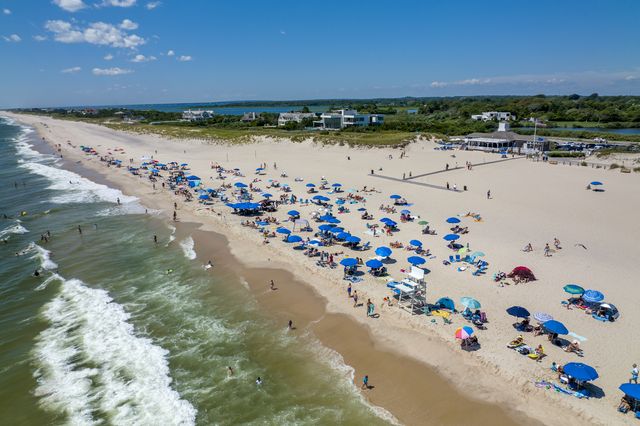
{"x": 108, "y": 52}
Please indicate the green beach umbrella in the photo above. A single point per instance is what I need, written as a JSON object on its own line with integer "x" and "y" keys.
{"x": 423, "y": 222}
{"x": 573, "y": 289}
{"x": 463, "y": 251}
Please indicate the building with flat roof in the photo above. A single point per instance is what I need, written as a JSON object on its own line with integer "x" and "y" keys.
{"x": 342, "y": 118}
{"x": 286, "y": 117}
{"x": 494, "y": 115}
{"x": 505, "y": 140}
{"x": 197, "y": 115}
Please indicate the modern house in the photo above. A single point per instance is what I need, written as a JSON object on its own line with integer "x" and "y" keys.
{"x": 493, "y": 115}
{"x": 197, "y": 115}
{"x": 287, "y": 117}
{"x": 342, "y": 118}
{"x": 504, "y": 140}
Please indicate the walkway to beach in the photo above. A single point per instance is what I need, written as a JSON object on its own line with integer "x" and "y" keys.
{"x": 429, "y": 185}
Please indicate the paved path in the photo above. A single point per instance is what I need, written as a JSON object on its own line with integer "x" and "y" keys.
{"x": 410, "y": 180}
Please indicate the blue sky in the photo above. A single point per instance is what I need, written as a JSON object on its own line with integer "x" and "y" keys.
{"x": 98, "y": 52}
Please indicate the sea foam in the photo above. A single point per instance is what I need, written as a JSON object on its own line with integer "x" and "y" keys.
{"x": 91, "y": 364}
{"x": 187, "y": 246}
{"x": 13, "y": 229}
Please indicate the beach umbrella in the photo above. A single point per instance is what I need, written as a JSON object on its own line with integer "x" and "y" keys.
{"x": 340, "y": 202}
{"x": 353, "y": 239}
{"x": 453, "y": 220}
{"x": 423, "y": 222}
{"x": 267, "y": 195}
{"x": 293, "y": 213}
{"x": 204, "y": 197}
{"x": 334, "y": 220}
{"x": 463, "y": 251}
{"x": 470, "y": 302}
{"x": 386, "y": 219}
{"x": 362, "y": 209}
{"x": 184, "y": 164}
{"x": 542, "y": 317}
{"x": 325, "y": 227}
{"x": 596, "y": 183}
{"x": 579, "y": 371}
{"x": 395, "y": 197}
{"x": 239, "y": 185}
{"x": 336, "y": 230}
{"x": 259, "y": 169}
{"x": 446, "y": 303}
{"x": 310, "y": 185}
{"x": 416, "y": 260}
{"x": 336, "y": 185}
{"x": 262, "y": 223}
{"x": 193, "y": 177}
{"x": 315, "y": 243}
{"x": 451, "y": 237}
{"x": 464, "y": 332}
{"x": 518, "y": 311}
{"x": 555, "y": 327}
{"x": 592, "y": 296}
{"x": 405, "y": 212}
{"x": 374, "y": 263}
{"x": 294, "y": 238}
{"x": 321, "y": 198}
{"x": 383, "y": 251}
{"x": 349, "y": 261}
{"x": 283, "y": 231}
{"x": 343, "y": 235}
{"x": 415, "y": 243}
{"x": 573, "y": 289}
{"x": 631, "y": 389}
{"x": 477, "y": 254}
{"x": 326, "y": 217}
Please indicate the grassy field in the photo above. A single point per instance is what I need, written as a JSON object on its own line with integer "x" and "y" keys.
{"x": 230, "y": 135}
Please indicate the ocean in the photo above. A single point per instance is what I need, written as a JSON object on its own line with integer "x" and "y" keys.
{"x": 119, "y": 330}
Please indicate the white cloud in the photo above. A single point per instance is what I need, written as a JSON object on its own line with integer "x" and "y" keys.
{"x": 142, "y": 58}
{"x": 13, "y": 38}
{"x": 283, "y": 32}
{"x": 111, "y": 71}
{"x": 98, "y": 33}
{"x": 6, "y": 11}
{"x": 71, "y": 70}
{"x": 39, "y": 37}
{"x": 119, "y": 3}
{"x": 70, "y": 5}
{"x": 185, "y": 58}
{"x": 108, "y": 57}
{"x": 128, "y": 24}
{"x": 152, "y": 5}
{"x": 171, "y": 53}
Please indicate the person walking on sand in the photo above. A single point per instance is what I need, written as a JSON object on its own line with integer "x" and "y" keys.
{"x": 175, "y": 216}
{"x": 488, "y": 194}
{"x": 634, "y": 374}
{"x": 355, "y": 299}
{"x": 447, "y": 185}
{"x": 365, "y": 382}
{"x": 547, "y": 250}
{"x": 349, "y": 290}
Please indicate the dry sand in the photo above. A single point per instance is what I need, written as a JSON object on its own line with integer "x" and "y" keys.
{"x": 531, "y": 202}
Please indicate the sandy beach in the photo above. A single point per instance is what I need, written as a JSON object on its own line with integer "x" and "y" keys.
{"x": 413, "y": 360}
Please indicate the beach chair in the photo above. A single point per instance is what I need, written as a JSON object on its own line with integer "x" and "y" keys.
{"x": 451, "y": 259}
{"x": 365, "y": 246}
{"x": 457, "y": 258}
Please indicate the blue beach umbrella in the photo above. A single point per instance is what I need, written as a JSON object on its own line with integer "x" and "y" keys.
{"x": 395, "y": 197}
{"x": 262, "y": 223}
{"x": 184, "y": 164}
{"x": 416, "y": 260}
{"x": 203, "y": 197}
{"x": 374, "y": 263}
{"x": 383, "y": 251}
{"x": 518, "y": 311}
{"x": 259, "y": 169}
{"x": 592, "y": 296}
{"x": 239, "y": 185}
{"x": 579, "y": 371}
{"x": 573, "y": 289}
{"x": 631, "y": 389}
{"x": 334, "y": 220}
{"x": 451, "y": 237}
{"x": 321, "y": 198}
{"x": 267, "y": 195}
{"x": 343, "y": 235}
{"x": 453, "y": 220}
{"x": 294, "y": 238}
{"x": 293, "y": 213}
{"x": 340, "y": 202}
{"x": 470, "y": 302}
{"x": 349, "y": 261}
{"x": 315, "y": 243}
{"x": 596, "y": 183}
{"x": 415, "y": 243}
{"x": 353, "y": 239}
{"x": 193, "y": 177}
{"x": 446, "y": 303}
{"x": 325, "y": 227}
{"x": 336, "y": 185}
{"x": 326, "y": 217}
{"x": 283, "y": 231}
{"x": 362, "y": 209}
{"x": 405, "y": 212}
{"x": 555, "y": 327}
{"x": 336, "y": 230}
{"x": 310, "y": 185}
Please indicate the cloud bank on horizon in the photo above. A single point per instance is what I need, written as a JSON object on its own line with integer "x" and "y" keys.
{"x": 181, "y": 51}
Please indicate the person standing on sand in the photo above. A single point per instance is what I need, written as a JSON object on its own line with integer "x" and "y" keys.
{"x": 175, "y": 216}
{"x": 355, "y": 299}
{"x": 547, "y": 250}
{"x": 272, "y": 285}
{"x": 447, "y": 185}
{"x": 290, "y": 325}
{"x": 365, "y": 382}
{"x": 634, "y": 374}
{"x": 349, "y": 290}
{"x": 488, "y": 194}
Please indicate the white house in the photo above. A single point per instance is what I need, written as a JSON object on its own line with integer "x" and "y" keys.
{"x": 346, "y": 118}
{"x": 493, "y": 115}
{"x": 196, "y": 115}
{"x": 286, "y": 117}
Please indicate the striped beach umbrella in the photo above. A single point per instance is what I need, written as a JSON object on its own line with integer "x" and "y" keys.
{"x": 464, "y": 332}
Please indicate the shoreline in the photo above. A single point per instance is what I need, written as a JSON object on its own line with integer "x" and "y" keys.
{"x": 399, "y": 341}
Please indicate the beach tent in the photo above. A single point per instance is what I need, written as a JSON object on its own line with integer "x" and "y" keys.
{"x": 554, "y": 326}
{"x": 446, "y": 303}
{"x": 579, "y": 371}
{"x": 518, "y": 312}
{"x": 522, "y": 272}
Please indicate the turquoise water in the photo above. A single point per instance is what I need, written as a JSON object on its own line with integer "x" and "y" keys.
{"x": 105, "y": 336}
